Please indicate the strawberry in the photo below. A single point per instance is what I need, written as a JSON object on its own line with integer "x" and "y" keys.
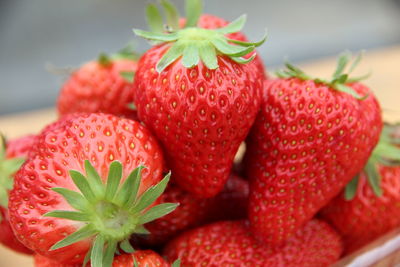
{"x": 142, "y": 258}
{"x": 309, "y": 140}
{"x": 199, "y": 98}
{"x": 100, "y": 86}
{"x": 12, "y": 155}
{"x": 370, "y": 205}
{"x": 87, "y": 185}
{"x": 230, "y": 243}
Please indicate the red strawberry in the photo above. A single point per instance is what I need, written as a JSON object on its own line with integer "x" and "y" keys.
{"x": 230, "y": 243}
{"x": 309, "y": 140}
{"x": 99, "y": 86}
{"x": 371, "y": 205}
{"x": 12, "y": 156}
{"x": 143, "y": 258}
{"x": 198, "y": 100}
{"x": 61, "y": 213}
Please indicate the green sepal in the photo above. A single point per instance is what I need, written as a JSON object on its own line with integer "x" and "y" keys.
{"x": 128, "y": 76}
{"x": 351, "y": 188}
{"x": 162, "y": 37}
{"x": 132, "y": 106}
{"x": 340, "y": 81}
{"x": 170, "y": 56}
{"x": 373, "y": 177}
{"x": 154, "y": 18}
{"x": 176, "y": 263}
{"x": 191, "y": 56}
{"x": 104, "y": 206}
{"x": 209, "y": 56}
{"x": 77, "y": 236}
{"x": 97, "y": 255}
{"x": 235, "y": 26}
{"x": 157, "y": 212}
{"x": 104, "y": 59}
{"x": 193, "y": 10}
{"x": 126, "y": 246}
{"x": 135, "y": 264}
{"x": 171, "y": 14}
{"x": 242, "y": 60}
{"x": 141, "y": 230}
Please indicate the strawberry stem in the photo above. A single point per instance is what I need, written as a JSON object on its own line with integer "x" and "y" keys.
{"x": 111, "y": 212}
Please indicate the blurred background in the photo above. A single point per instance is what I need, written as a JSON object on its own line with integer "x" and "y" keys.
{"x": 34, "y": 33}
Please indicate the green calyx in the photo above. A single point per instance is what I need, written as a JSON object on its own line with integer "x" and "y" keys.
{"x": 385, "y": 153}
{"x": 194, "y": 44}
{"x": 340, "y": 79}
{"x": 111, "y": 212}
{"x": 8, "y": 167}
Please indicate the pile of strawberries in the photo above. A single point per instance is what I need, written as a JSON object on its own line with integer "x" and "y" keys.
{"x": 154, "y": 183}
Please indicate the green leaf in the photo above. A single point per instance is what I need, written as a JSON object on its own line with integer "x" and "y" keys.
{"x": 127, "y": 76}
{"x": 176, "y": 263}
{"x": 373, "y": 177}
{"x": 171, "y": 14}
{"x": 94, "y": 179}
{"x": 126, "y": 246}
{"x": 255, "y": 44}
{"x": 235, "y": 26}
{"x": 359, "y": 78}
{"x": 152, "y": 194}
{"x": 351, "y": 188}
{"x": 348, "y": 90}
{"x": 356, "y": 61}
{"x": 157, "y": 212}
{"x": 129, "y": 190}
{"x": 76, "y": 200}
{"x": 141, "y": 230}
{"x": 11, "y": 166}
{"x": 190, "y": 56}
{"x": 341, "y": 64}
{"x": 75, "y": 237}
{"x": 96, "y": 259}
{"x": 70, "y": 215}
{"x": 242, "y": 60}
{"x": 113, "y": 180}
{"x": 87, "y": 257}
{"x": 170, "y": 56}
{"x": 231, "y": 50}
{"x": 193, "y": 9}
{"x": 208, "y": 56}
{"x": 162, "y": 37}
{"x": 82, "y": 183}
{"x": 154, "y": 19}
{"x": 109, "y": 253}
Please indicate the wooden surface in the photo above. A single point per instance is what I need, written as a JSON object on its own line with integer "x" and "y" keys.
{"x": 385, "y": 81}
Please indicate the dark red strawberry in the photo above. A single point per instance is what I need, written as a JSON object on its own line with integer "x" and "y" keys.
{"x": 199, "y": 98}
{"x": 142, "y": 258}
{"x": 83, "y": 188}
{"x": 12, "y": 155}
{"x": 230, "y": 243}
{"x": 309, "y": 140}
{"x": 100, "y": 86}
{"x": 370, "y": 205}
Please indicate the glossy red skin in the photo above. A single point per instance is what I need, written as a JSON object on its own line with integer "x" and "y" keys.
{"x": 16, "y": 148}
{"x": 142, "y": 257}
{"x": 307, "y": 143}
{"x": 98, "y": 88}
{"x": 366, "y": 217}
{"x": 208, "y": 21}
{"x": 198, "y": 115}
{"x": 230, "y": 243}
{"x": 100, "y": 138}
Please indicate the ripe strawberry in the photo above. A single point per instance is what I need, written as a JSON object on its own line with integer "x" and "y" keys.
{"x": 50, "y": 215}
{"x": 99, "y": 86}
{"x": 370, "y": 205}
{"x": 12, "y": 155}
{"x": 309, "y": 140}
{"x": 199, "y": 98}
{"x": 230, "y": 243}
{"x": 143, "y": 258}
